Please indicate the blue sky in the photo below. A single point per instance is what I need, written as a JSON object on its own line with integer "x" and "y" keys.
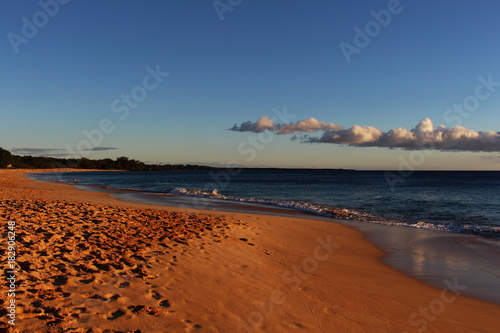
{"x": 263, "y": 55}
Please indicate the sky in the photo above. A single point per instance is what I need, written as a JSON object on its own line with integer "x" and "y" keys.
{"x": 366, "y": 84}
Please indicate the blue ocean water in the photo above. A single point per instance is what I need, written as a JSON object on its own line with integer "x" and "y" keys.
{"x": 402, "y": 220}
{"x": 452, "y": 201}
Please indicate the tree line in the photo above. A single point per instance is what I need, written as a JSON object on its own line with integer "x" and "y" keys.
{"x": 8, "y": 160}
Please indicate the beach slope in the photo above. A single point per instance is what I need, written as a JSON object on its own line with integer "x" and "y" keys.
{"x": 91, "y": 263}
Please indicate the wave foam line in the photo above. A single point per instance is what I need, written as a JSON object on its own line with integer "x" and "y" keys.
{"x": 346, "y": 214}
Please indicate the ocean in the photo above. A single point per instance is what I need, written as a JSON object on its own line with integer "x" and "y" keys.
{"x": 451, "y": 201}
{"x": 436, "y": 226}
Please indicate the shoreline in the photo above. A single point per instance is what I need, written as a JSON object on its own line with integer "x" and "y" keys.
{"x": 342, "y": 210}
{"x": 422, "y": 254}
{"x": 279, "y": 273}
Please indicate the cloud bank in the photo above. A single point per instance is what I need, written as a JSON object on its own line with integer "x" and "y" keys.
{"x": 310, "y": 125}
{"x": 423, "y": 136}
{"x": 52, "y": 152}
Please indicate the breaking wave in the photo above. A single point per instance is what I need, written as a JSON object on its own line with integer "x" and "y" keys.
{"x": 346, "y": 214}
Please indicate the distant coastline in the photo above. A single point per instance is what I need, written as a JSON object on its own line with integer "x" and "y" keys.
{"x": 11, "y": 161}
{"x": 123, "y": 163}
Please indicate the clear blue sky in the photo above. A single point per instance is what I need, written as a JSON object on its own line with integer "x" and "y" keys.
{"x": 263, "y": 55}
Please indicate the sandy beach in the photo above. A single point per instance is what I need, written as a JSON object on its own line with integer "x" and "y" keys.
{"x": 87, "y": 262}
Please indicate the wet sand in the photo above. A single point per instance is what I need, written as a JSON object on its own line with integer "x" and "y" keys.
{"x": 92, "y": 263}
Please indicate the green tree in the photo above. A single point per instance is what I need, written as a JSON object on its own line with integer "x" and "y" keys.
{"x": 6, "y": 158}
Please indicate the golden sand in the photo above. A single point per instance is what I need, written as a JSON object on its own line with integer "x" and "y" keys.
{"x": 91, "y": 263}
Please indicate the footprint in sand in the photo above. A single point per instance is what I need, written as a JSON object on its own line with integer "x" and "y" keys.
{"x": 37, "y": 304}
{"x": 190, "y": 324}
{"x": 140, "y": 309}
{"x": 246, "y": 240}
{"x": 155, "y": 295}
{"x": 95, "y": 296}
{"x": 113, "y": 297}
{"x": 60, "y": 280}
{"x": 86, "y": 281}
{"x": 25, "y": 266}
{"x": 165, "y": 303}
{"x": 124, "y": 284}
{"x": 102, "y": 266}
{"x": 116, "y": 314}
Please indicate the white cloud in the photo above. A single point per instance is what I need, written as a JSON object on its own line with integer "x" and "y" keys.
{"x": 423, "y": 136}
{"x": 306, "y": 125}
{"x": 259, "y": 126}
{"x": 354, "y": 135}
{"x": 52, "y": 152}
{"x": 310, "y": 125}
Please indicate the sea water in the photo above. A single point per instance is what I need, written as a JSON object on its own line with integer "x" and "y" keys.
{"x": 435, "y": 225}
{"x": 454, "y": 201}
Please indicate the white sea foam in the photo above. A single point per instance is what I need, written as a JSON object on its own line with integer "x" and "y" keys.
{"x": 345, "y": 214}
